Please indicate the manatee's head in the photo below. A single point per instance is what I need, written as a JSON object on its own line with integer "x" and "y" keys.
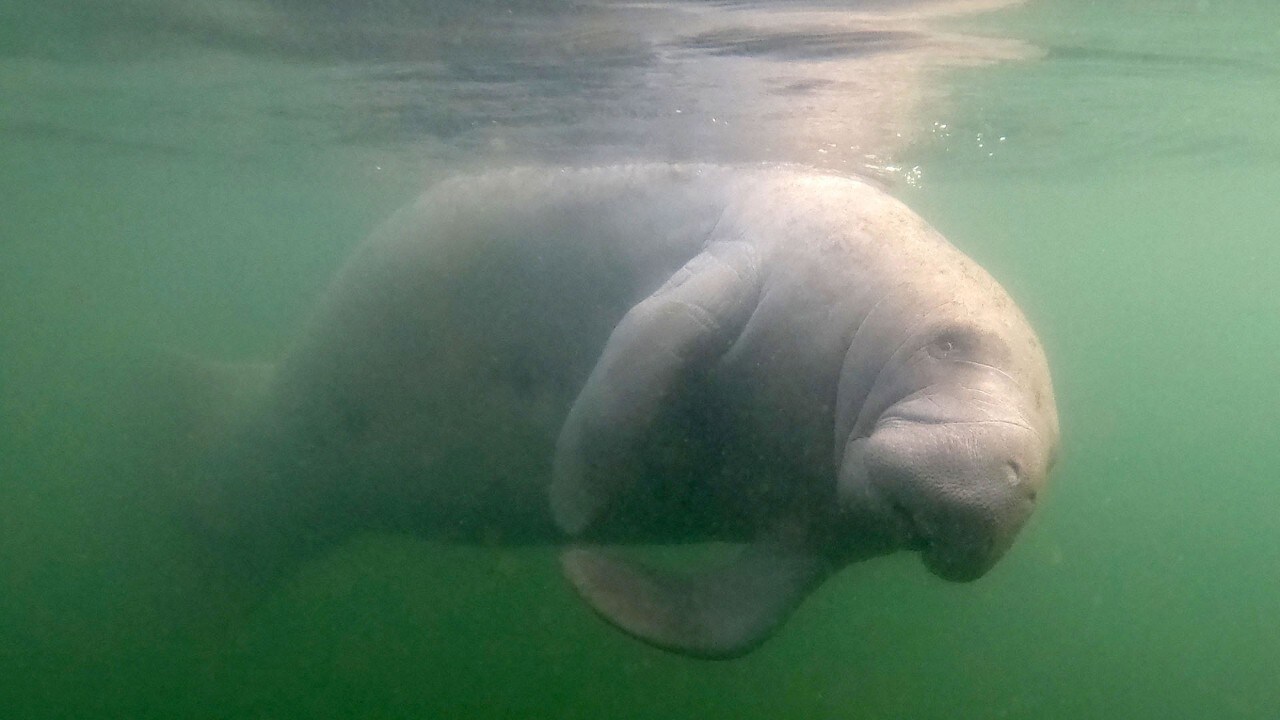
{"x": 954, "y": 444}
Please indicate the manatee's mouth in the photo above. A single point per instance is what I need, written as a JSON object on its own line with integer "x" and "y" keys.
{"x": 908, "y": 532}
{"x": 957, "y": 566}
{"x": 943, "y": 557}
{"x": 939, "y": 491}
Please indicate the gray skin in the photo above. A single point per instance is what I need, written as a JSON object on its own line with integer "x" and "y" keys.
{"x": 651, "y": 354}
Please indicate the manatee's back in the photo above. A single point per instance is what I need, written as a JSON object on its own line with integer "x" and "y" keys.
{"x": 435, "y": 376}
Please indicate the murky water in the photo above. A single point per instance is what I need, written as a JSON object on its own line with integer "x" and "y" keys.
{"x": 183, "y": 175}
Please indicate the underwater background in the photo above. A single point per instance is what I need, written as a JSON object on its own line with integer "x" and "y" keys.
{"x": 189, "y": 175}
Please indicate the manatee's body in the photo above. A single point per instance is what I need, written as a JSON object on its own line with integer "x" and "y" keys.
{"x": 653, "y": 354}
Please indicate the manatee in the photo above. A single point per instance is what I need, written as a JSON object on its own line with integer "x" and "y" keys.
{"x": 789, "y": 361}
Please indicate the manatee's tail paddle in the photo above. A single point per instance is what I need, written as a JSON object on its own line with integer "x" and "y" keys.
{"x": 720, "y": 613}
{"x": 189, "y": 404}
{"x": 189, "y": 423}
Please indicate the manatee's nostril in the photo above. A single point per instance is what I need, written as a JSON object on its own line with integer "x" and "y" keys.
{"x": 1013, "y": 472}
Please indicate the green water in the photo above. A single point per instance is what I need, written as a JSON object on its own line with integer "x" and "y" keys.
{"x": 1131, "y": 208}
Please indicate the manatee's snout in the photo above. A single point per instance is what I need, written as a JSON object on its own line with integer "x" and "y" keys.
{"x": 958, "y": 492}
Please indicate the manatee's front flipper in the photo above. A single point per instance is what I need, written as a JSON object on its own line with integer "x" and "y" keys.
{"x": 679, "y": 330}
{"x": 721, "y": 613}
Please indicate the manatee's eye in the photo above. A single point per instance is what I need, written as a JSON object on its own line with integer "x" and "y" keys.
{"x": 951, "y": 343}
